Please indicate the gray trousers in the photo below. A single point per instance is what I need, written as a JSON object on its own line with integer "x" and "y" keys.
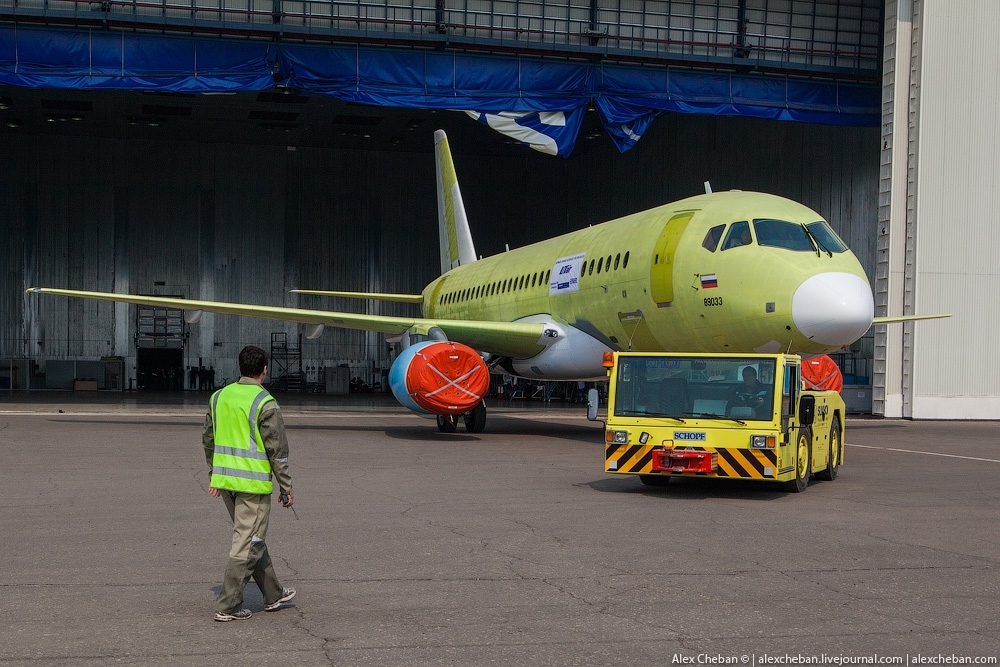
{"x": 248, "y": 556}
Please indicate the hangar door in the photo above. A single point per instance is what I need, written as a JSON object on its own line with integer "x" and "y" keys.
{"x": 159, "y": 348}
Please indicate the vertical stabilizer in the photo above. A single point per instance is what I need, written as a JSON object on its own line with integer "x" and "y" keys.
{"x": 453, "y": 226}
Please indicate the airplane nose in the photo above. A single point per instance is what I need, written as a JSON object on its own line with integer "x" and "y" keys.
{"x": 833, "y": 308}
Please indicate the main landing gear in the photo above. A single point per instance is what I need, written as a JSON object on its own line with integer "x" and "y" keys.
{"x": 475, "y": 420}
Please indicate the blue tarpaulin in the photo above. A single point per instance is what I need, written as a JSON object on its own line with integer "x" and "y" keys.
{"x": 100, "y": 59}
{"x": 627, "y": 98}
{"x": 550, "y": 132}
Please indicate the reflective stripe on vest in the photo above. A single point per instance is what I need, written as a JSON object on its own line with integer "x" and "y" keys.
{"x": 240, "y": 461}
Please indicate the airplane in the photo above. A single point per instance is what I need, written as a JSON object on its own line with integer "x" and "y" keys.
{"x": 718, "y": 272}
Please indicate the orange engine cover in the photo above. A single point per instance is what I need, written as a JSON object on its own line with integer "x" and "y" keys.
{"x": 822, "y": 373}
{"x": 443, "y": 377}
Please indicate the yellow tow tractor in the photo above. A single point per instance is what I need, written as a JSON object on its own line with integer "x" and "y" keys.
{"x": 721, "y": 416}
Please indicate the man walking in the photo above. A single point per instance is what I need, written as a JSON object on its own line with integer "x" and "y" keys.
{"x": 245, "y": 444}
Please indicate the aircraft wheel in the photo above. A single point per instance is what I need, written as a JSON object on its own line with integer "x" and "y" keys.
{"x": 836, "y": 453}
{"x": 654, "y": 480}
{"x": 447, "y": 423}
{"x": 803, "y": 456}
{"x": 475, "y": 419}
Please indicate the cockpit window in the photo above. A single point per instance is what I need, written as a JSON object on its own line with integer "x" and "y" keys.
{"x": 826, "y": 237}
{"x": 739, "y": 234}
{"x": 713, "y": 237}
{"x": 781, "y": 234}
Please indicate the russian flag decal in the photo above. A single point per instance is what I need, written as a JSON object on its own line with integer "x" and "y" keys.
{"x": 711, "y": 280}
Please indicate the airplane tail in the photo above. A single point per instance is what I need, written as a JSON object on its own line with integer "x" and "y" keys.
{"x": 453, "y": 226}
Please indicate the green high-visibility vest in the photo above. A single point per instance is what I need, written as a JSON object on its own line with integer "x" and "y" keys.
{"x": 240, "y": 461}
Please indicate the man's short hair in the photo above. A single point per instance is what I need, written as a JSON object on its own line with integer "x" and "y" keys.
{"x": 252, "y": 361}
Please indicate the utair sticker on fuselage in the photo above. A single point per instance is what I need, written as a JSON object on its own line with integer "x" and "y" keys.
{"x": 689, "y": 435}
{"x": 566, "y": 275}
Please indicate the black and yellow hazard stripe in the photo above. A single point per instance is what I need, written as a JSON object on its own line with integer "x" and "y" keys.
{"x": 741, "y": 463}
{"x": 630, "y": 458}
{"x": 748, "y": 463}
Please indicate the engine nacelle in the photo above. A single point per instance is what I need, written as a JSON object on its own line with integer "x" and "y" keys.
{"x": 439, "y": 377}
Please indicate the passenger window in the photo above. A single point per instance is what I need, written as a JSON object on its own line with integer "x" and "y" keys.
{"x": 712, "y": 238}
{"x": 599, "y": 263}
{"x": 617, "y": 259}
{"x": 548, "y": 274}
{"x": 739, "y": 235}
{"x": 625, "y": 261}
{"x": 607, "y": 263}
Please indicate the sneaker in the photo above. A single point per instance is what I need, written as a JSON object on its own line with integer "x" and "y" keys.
{"x": 240, "y": 615}
{"x": 286, "y": 595}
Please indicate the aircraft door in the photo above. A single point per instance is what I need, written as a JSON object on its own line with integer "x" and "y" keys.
{"x": 638, "y": 335}
{"x": 661, "y": 272}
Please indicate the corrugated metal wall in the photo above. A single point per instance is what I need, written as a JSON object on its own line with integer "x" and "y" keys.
{"x": 955, "y": 245}
{"x": 248, "y": 223}
{"x": 887, "y": 380}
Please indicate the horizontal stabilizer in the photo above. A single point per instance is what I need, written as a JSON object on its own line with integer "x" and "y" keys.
{"x": 519, "y": 340}
{"x": 377, "y": 296}
{"x": 908, "y": 318}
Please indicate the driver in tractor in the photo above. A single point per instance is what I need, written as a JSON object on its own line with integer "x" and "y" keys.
{"x": 749, "y": 399}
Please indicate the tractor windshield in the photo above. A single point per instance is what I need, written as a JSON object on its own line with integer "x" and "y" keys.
{"x": 685, "y": 387}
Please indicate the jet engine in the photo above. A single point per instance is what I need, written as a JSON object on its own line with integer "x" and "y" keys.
{"x": 439, "y": 377}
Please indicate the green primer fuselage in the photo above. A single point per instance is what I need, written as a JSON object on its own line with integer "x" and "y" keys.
{"x": 661, "y": 300}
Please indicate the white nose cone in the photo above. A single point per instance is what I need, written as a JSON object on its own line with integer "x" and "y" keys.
{"x": 833, "y": 308}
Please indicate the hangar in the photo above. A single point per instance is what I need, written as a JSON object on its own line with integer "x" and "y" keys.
{"x": 235, "y": 150}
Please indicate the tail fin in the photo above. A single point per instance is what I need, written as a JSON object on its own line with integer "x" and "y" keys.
{"x": 453, "y": 226}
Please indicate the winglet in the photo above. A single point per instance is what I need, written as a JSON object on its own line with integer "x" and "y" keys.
{"x": 453, "y": 226}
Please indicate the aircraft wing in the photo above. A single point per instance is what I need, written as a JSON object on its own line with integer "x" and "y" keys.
{"x": 519, "y": 340}
{"x": 377, "y": 296}
{"x": 907, "y": 318}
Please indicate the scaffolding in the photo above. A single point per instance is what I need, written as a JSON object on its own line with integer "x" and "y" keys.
{"x": 286, "y": 362}
{"x": 809, "y": 36}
